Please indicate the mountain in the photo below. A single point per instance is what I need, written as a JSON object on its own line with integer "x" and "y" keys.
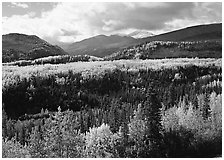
{"x": 140, "y": 34}
{"x": 194, "y": 33}
{"x": 203, "y": 41}
{"x": 28, "y": 47}
{"x": 17, "y": 46}
{"x": 100, "y": 45}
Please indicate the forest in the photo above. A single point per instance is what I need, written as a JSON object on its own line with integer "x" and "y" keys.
{"x": 170, "y": 49}
{"x": 113, "y": 109}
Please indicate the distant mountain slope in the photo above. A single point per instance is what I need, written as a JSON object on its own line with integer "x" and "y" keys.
{"x": 28, "y": 47}
{"x": 200, "y": 32}
{"x": 105, "y": 45}
{"x": 170, "y": 49}
{"x": 100, "y": 45}
{"x": 20, "y": 46}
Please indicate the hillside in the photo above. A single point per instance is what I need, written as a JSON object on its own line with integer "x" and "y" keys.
{"x": 194, "y": 33}
{"x": 101, "y": 45}
{"x": 170, "y": 49}
{"x": 26, "y": 47}
{"x": 203, "y": 41}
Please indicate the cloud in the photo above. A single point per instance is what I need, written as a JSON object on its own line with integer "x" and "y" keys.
{"x": 17, "y": 4}
{"x": 69, "y": 22}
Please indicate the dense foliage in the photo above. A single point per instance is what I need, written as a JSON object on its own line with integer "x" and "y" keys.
{"x": 55, "y": 60}
{"x": 170, "y": 49}
{"x": 165, "y": 112}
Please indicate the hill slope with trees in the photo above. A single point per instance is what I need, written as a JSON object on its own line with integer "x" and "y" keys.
{"x": 102, "y": 45}
{"x": 26, "y": 47}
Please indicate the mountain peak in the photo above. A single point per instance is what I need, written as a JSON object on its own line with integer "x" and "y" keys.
{"x": 100, "y": 36}
{"x": 100, "y": 45}
{"x": 140, "y": 34}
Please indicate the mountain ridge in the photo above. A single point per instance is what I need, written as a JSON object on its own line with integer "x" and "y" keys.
{"x": 17, "y": 46}
{"x": 96, "y": 46}
{"x": 190, "y": 33}
{"x": 99, "y": 45}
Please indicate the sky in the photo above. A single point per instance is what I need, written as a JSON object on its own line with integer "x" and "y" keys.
{"x": 71, "y": 22}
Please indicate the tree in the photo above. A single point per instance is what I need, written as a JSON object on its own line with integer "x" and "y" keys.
{"x": 53, "y": 135}
{"x": 151, "y": 114}
{"x": 137, "y": 132}
{"x": 4, "y": 123}
{"x": 123, "y": 131}
{"x": 62, "y": 139}
{"x": 36, "y": 143}
{"x": 113, "y": 116}
{"x": 101, "y": 142}
{"x": 203, "y": 105}
{"x": 171, "y": 95}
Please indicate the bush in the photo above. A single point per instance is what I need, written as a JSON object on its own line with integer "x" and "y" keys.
{"x": 137, "y": 132}
{"x": 101, "y": 142}
{"x": 13, "y": 149}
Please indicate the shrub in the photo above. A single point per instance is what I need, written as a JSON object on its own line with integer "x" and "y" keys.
{"x": 13, "y": 149}
{"x": 137, "y": 132}
{"x": 101, "y": 142}
{"x": 170, "y": 120}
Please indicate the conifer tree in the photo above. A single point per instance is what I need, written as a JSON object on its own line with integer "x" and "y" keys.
{"x": 114, "y": 117}
{"x": 4, "y": 123}
{"x": 171, "y": 95}
{"x": 124, "y": 124}
{"x": 123, "y": 131}
{"x": 152, "y": 116}
{"x": 206, "y": 110}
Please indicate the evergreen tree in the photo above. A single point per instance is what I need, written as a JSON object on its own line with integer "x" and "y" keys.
{"x": 4, "y": 123}
{"x": 171, "y": 95}
{"x": 203, "y": 105}
{"x": 113, "y": 116}
{"x": 206, "y": 109}
{"x": 124, "y": 125}
{"x": 151, "y": 114}
{"x": 123, "y": 132}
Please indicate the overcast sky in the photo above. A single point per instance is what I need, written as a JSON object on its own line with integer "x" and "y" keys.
{"x": 70, "y": 22}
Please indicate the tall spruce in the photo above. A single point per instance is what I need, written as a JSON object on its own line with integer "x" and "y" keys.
{"x": 151, "y": 114}
{"x": 4, "y": 123}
